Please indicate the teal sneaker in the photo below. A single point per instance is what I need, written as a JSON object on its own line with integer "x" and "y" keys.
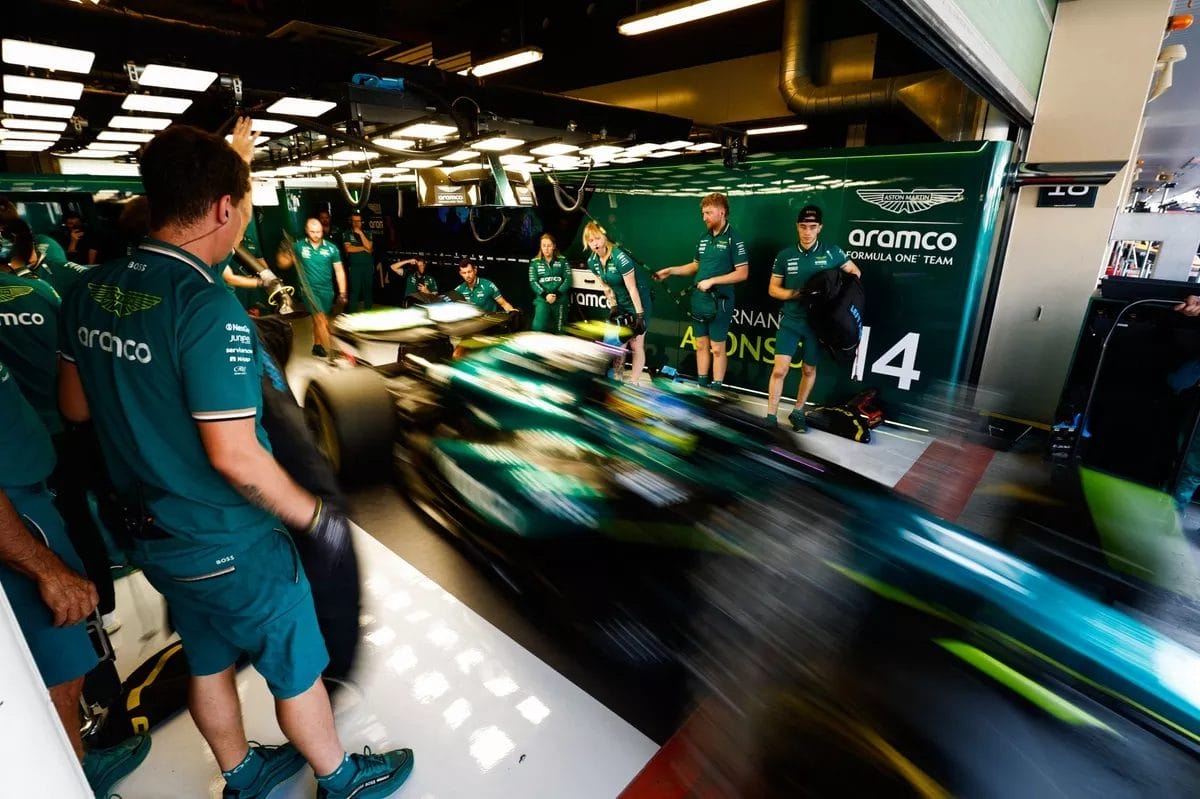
{"x": 799, "y": 423}
{"x": 772, "y": 420}
{"x": 104, "y": 768}
{"x": 264, "y": 768}
{"x": 367, "y": 776}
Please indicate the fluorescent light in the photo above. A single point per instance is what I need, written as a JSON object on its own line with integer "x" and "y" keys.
{"x": 20, "y": 107}
{"x": 513, "y": 158}
{"x": 30, "y": 135}
{"x": 420, "y": 163}
{"x": 114, "y": 146}
{"x": 23, "y": 146}
{"x": 776, "y": 129}
{"x": 187, "y": 80}
{"x": 497, "y": 144}
{"x": 139, "y": 123}
{"x": 427, "y": 130}
{"x": 291, "y": 170}
{"x": 661, "y": 154}
{"x": 678, "y": 144}
{"x": 86, "y": 153}
{"x": 300, "y": 107}
{"x": 41, "y": 87}
{"x": 561, "y": 162}
{"x": 555, "y": 148}
{"x": 520, "y": 58}
{"x": 156, "y": 105}
{"x": 321, "y": 163}
{"x": 679, "y": 14}
{"x": 602, "y": 151}
{"x": 120, "y": 135}
{"x": 350, "y": 155}
{"x": 271, "y": 125}
{"x": 394, "y": 144}
{"x": 258, "y": 141}
{"x": 78, "y": 166}
{"x": 461, "y": 155}
{"x": 704, "y": 145}
{"x": 33, "y": 124}
{"x": 627, "y": 160}
{"x": 46, "y": 56}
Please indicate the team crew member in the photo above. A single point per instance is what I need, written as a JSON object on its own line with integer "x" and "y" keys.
{"x": 626, "y": 289}
{"x": 720, "y": 262}
{"x": 792, "y": 269}
{"x": 416, "y": 279}
{"x": 79, "y": 244}
{"x": 360, "y": 258}
{"x": 479, "y": 291}
{"x": 41, "y": 576}
{"x": 48, "y": 261}
{"x": 320, "y": 265}
{"x": 550, "y": 279}
{"x": 170, "y": 364}
{"x": 247, "y": 284}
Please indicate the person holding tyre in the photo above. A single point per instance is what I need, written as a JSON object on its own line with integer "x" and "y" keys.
{"x": 626, "y": 289}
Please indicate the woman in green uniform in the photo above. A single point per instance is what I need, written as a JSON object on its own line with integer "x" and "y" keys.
{"x": 626, "y": 287}
{"x": 550, "y": 279}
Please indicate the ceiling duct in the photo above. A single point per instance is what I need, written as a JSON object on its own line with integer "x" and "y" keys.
{"x": 936, "y": 97}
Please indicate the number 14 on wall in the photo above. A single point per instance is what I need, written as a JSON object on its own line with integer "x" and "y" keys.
{"x": 905, "y": 350}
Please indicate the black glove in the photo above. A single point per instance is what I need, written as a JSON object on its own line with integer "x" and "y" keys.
{"x": 639, "y": 324}
{"x": 330, "y": 531}
{"x": 339, "y": 305}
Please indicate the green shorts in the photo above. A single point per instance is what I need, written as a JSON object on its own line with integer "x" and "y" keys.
{"x": 256, "y": 600}
{"x": 322, "y": 298}
{"x": 62, "y": 654}
{"x": 717, "y": 328}
{"x": 797, "y": 333}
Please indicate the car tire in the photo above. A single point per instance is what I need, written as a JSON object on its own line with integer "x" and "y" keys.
{"x": 353, "y": 419}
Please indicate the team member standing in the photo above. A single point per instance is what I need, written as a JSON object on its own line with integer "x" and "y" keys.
{"x": 479, "y": 291}
{"x": 320, "y": 266}
{"x": 417, "y": 280}
{"x": 550, "y": 279}
{"x": 79, "y": 245}
{"x": 170, "y": 364}
{"x": 792, "y": 269}
{"x": 626, "y": 289}
{"x": 243, "y": 286}
{"x": 41, "y": 576}
{"x": 360, "y": 258}
{"x": 720, "y": 263}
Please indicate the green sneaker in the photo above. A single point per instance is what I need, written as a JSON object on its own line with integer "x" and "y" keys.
{"x": 274, "y": 764}
{"x": 104, "y": 768}
{"x": 367, "y": 776}
{"x": 799, "y": 423}
{"x": 772, "y": 420}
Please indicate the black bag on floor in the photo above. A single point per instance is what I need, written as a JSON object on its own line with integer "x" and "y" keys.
{"x": 840, "y": 421}
{"x": 866, "y": 404}
{"x": 153, "y": 693}
{"x": 836, "y": 303}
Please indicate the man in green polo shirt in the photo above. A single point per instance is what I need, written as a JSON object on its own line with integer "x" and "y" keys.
{"x": 550, "y": 279}
{"x": 48, "y": 260}
{"x": 319, "y": 264}
{"x": 417, "y": 279}
{"x": 792, "y": 269}
{"x": 170, "y": 364}
{"x": 479, "y": 291}
{"x": 243, "y": 286}
{"x": 360, "y": 259}
{"x": 719, "y": 264}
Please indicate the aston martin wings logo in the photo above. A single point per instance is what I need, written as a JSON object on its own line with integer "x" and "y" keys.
{"x": 10, "y": 293}
{"x": 898, "y": 201}
{"x": 121, "y": 302}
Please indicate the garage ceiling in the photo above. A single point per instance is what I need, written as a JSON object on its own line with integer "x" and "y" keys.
{"x": 1171, "y": 143}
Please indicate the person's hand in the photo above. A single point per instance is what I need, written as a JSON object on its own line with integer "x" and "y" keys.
{"x": 550, "y": 298}
{"x": 266, "y": 277}
{"x": 639, "y": 324}
{"x": 704, "y": 285}
{"x": 76, "y": 235}
{"x": 330, "y": 531}
{"x": 70, "y": 597}
{"x": 663, "y": 274}
{"x": 339, "y": 304}
{"x": 243, "y": 139}
{"x": 1190, "y": 306}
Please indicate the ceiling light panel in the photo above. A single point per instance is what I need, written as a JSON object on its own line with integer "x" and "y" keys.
{"x": 497, "y": 144}
{"x": 156, "y": 105}
{"x": 521, "y": 58}
{"x": 115, "y": 146}
{"x": 515, "y": 159}
{"x": 41, "y": 87}
{"x": 350, "y": 155}
{"x": 23, "y": 146}
{"x": 271, "y": 125}
{"x": 30, "y": 135}
{"x": 394, "y": 144}
{"x": 22, "y": 108}
{"x": 139, "y": 123}
{"x": 178, "y": 78}
{"x": 46, "y": 56}
{"x": 427, "y": 130}
{"x": 777, "y": 129}
{"x": 33, "y": 124}
{"x": 679, "y": 14}
{"x": 419, "y": 163}
{"x": 461, "y": 155}
{"x": 554, "y": 148}
{"x": 300, "y": 107}
{"x": 603, "y": 151}
{"x": 125, "y": 136}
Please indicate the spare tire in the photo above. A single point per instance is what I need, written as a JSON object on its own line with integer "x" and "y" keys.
{"x": 352, "y": 417}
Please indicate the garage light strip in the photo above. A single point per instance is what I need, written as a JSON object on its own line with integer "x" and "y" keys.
{"x": 679, "y": 14}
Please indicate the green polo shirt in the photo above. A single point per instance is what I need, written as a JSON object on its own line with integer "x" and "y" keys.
{"x": 358, "y": 260}
{"x": 549, "y": 278}
{"x": 29, "y": 310}
{"x": 413, "y": 277}
{"x": 62, "y": 276}
{"x": 796, "y": 265}
{"x": 25, "y": 448}
{"x": 317, "y": 263}
{"x": 613, "y": 274}
{"x": 483, "y": 296}
{"x": 161, "y": 348}
{"x": 719, "y": 255}
{"x": 49, "y": 250}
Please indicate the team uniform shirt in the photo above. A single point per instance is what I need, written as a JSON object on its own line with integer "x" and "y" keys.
{"x": 317, "y": 263}
{"x": 25, "y": 447}
{"x": 49, "y": 250}
{"x": 613, "y": 274}
{"x": 161, "y": 347}
{"x": 718, "y": 255}
{"x": 483, "y": 296}
{"x": 549, "y": 278}
{"x": 29, "y": 310}
{"x": 62, "y": 276}
{"x": 413, "y": 279}
{"x": 796, "y": 265}
{"x": 358, "y": 260}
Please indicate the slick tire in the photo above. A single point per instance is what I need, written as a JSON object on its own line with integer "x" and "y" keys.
{"x": 353, "y": 419}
